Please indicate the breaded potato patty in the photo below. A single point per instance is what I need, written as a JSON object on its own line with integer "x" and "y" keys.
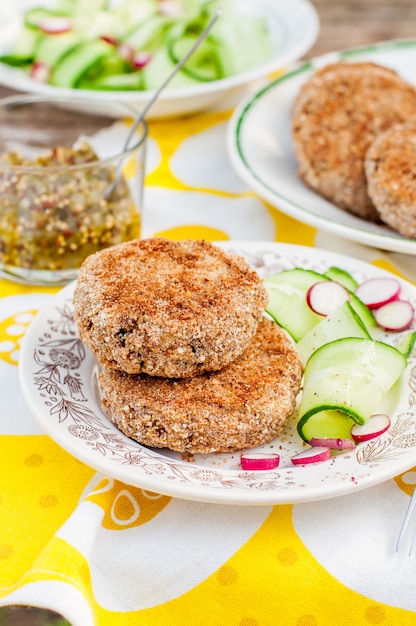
{"x": 243, "y": 405}
{"x": 390, "y": 167}
{"x": 167, "y": 308}
{"x": 336, "y": 116}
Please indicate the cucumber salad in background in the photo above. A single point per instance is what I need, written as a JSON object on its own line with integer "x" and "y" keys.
{"x": 121, "y": 49}
{"x": 95, "y": 45}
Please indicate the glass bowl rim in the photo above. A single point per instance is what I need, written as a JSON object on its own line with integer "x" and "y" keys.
{"x": 28, "y": 98}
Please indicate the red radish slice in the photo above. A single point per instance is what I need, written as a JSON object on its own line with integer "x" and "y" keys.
{"x": 126, "y": 51}
{"x": 141, "y": 59}
{"x": 109, "y": 39}
{"x": 56, "y": 25}
{"x": 334, "y": 444}
{"x": 170, "y": 8}
{"x": 375, "y": 426}
{"x": 326, "y": 296}
{"x": 259, "y": 461}
{"x": 375, "y": 292}
{"x": 40, "y": 72}
{"x": 312, "y": 455}
{"x": 395, "y": 316}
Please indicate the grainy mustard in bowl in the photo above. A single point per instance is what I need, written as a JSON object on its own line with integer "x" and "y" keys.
{"x": 58, "y": 199}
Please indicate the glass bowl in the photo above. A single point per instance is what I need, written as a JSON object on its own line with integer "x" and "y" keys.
{"x": 68, "y": 186}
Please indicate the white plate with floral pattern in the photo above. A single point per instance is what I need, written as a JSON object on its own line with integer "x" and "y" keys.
{"x": 58, "y": 377}
{"x": 260, "y": 147}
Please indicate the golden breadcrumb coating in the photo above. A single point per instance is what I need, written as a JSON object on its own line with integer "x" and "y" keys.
{"x": 243, "y": 405}
{"x": 336, "y": 116}
{"x": 390, "y": 167}
{"x": 167, "y": 308}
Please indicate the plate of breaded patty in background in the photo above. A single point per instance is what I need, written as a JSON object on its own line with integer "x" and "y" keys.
{"x": 60, "y": 380}
{"x": 302, "y": 140}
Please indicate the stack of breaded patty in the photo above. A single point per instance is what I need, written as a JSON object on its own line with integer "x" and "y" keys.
{"x": 354, "y": 139}
{"x": 188, "y": 361}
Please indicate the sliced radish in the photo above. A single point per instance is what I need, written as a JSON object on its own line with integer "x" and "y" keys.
{"x": 312, "y": 455}
{"x": 326, "y": 296}
{"x": 395, "y": 316}
{"x": 259, "y": 461}
{"x": 40, "y": 72}
{"x": 126, "y": 51}
{"x": 375, "y": 292}
{"x": 141, "y": 59}
{"x": 56, "y": 25}
{"x": 110, "y": 39}
{"x": 332, "y": 442}
{"x": 375, "y": 426}
{"x": 170, "y": 8}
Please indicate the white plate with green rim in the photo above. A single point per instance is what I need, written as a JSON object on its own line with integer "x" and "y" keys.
{"x": 293, "y": 28}
{"x": 260, "y": 146}
{"x": 58, "y": 378}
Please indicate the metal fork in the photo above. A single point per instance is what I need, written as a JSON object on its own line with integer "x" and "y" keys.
{"x": 405, "y": 524}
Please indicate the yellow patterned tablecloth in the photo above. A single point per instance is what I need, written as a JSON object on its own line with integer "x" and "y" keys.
{"x": 102, "y": 552}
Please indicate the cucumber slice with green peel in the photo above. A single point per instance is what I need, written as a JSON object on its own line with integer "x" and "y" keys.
{"x": 162, "y": 65}
{"x": 203, "y": 64}
{"x": 350, "y": 375}
{"x": 342, "y": 276}
{"x": 34, "y": 17}
{"x": 287, "y": 300}
{"x": 115, "y": 82}
{"x": 407, "y": 343}
{"x": 147, "y": 35}
{"x": 52, "y": 49}
{"x": 71, "y": 69}
{"x": 16, "y": 61}
{"x": 363, "y": 312}
{"x": 235, "y": 58}
{"x": 326, "y": 424}
{"x": 344, "y": 322}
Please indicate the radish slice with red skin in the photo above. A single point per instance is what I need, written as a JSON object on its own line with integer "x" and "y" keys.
{"x": 56, "y": 25}
{"x": 374, "y": 427}
{"x": 395, "y": 316}
{"x": 141, "y": 59}
{"x": 126, "y": 51}
{"x": 326, "y": 296}
{"x": 334, "y": 444}
{"x": 376, "y": 292}
{"x": 312, "y": 455}
{"x": 110, "y": 39}
{"x": 259, "y": 461}
{"x": 40, "y": 72}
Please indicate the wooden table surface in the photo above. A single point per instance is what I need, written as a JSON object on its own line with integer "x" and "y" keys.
{"x": 347, "y": 23}
{"x": 344, "y": 24}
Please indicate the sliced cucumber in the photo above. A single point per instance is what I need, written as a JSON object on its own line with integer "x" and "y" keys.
{"x": 343, "y": 322}
{"x": 203, "y": 64}
{"x": 52, "y": 49}
{"x": 363, "y": 312}
{"x": 287, "y": 300}
{"x": 116, "y": 82}
{"x": 148, "y": 34}
{"x": 231, "y": 33}
{"x": 350, "y": 375}
{"x": 36, "y": 16}
{"x": 331, "y": 424}
{"x": 74, "y": 65}
{"x": 407, "y": 343}
{"x": 162, "y": 65}
{"x": 342, "y": 276}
